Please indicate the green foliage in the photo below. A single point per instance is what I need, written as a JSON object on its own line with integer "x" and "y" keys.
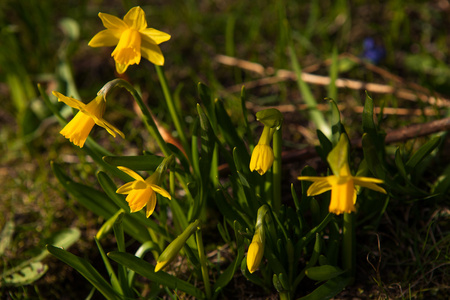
{"x": 211, "y": 130}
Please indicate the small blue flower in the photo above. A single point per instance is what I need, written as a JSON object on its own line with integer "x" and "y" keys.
{"x": 373, "y": 51}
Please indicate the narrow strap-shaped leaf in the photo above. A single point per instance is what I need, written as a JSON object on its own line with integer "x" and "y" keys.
{"x": 85, "y": 269}
{"x": 147, "y": 270}
{"x": 112, "y": 275}
{"x": 329, "y": 289}
{"x": 228, "y": 274}
{"x": 423, "y": 152}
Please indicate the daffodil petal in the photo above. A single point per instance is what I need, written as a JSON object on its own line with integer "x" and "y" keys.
{"x": 153, "y": 36}
{"x": 126, "y": 188}
{"x": 310, "y": 178}
{"x": 109, "y": 127}
{"x": 135, "y": 18}
{"x": 131, "y": 173}
{"x": 370, "y": 183}
{"x": 72, "y": 102}
{"x": 319, "y": 187}
{"x": 112, "y": 22}
{"x": 151, "y": 204}
{"x": 160, "y": 191}
{"x": 106, "y": 38}
{"x": 152, "y": 52}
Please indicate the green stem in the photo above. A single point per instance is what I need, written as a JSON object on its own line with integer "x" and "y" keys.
{"x": 172, "y": 109}
{"x": 276, "y": 169}
{"x": 204, "y": 267}
{"x": 285, "y": 295}
{"x": 348, "y": 247}
{"x": 146, "y": 114}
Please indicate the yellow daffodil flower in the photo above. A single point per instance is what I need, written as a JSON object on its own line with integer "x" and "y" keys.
{"x": 255, "y": 254}
{"x": 78, "y": 129}
{"x": 142, "y": 192}
{"x": 342, "y": 183}
{"x": 256, "y": 249}
{"x": 132, "y": 37}
{"x": 262, "y": 155}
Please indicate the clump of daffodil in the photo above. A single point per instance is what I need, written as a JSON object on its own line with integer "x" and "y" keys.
{"x": 262, "y": 155}
{"x": 342, "y": 183}
{"x": 175, "y": 246}
{"x": 132, "y": 37}
{"x": 256, "y": 249}
{"x": 142, "y": 192}
{"x": 78, "y": 129}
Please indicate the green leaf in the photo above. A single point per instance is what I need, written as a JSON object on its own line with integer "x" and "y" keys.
{"x": 329, "y": 289}
{"x": 112, "y": 275}
{"x": 6, "y": 236}
{"x": 324, "y": 272}
{"x": 228, "y": 129}
{"x": 26, "y": 275}
{"x": 227, "y": 209}
{"x": 334, "y": 71}
{"x": 423, "y": 152}
{"x": 371, "y": 157}
{"x": 204, "y": 93}
{"x": 315, "y": 115}
{"x": 336, "y": 126}
{"x": 229, "y": 272}
{"x": 85, "y": 269}
{"x": 325, "y": 145}
{"x": 147, "y": 270}
{"x": 400, "y": 165}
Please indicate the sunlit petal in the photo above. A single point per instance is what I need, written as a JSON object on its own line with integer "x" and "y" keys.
{"x": 319, "y": 186}
{"x": 370, "y": 183}
{"x": 160, "y": 191}
{"x": 106, "y": 38}
{"x": 72, "y": 102}
{"x": 135, "y": 18}
{"x": 152, "y": 52}
{"x": 126, "y": 188}
{"x": 151, "y": 205}
{"x": 112, "y": 22}
{"x": 153, "y": 36}
{"x": 131, "y": 173}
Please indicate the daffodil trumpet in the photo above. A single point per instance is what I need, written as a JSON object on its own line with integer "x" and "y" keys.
{"x": 262, "y": 155}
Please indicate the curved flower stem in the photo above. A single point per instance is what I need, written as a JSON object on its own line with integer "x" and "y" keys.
{"x": 202, "y": 258}
{"x": 172, "y": 110}
{"x": 276, "y": 169}
{"x": 348, "y": 250}
{"x": 146, "y": 114}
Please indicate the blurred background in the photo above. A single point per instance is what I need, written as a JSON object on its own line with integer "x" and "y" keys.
{"x": 397, "y": 43}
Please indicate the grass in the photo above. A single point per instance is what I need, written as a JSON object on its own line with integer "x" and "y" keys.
{"x": 403, "y": 255}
